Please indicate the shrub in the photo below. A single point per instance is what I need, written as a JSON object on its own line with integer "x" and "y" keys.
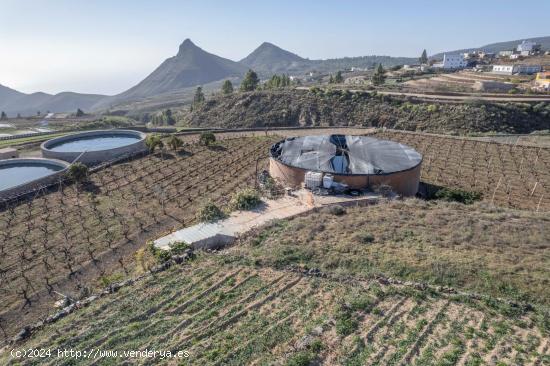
{"x": 245, "y": 199}
{"x": 345, "y": 321}
{"x": 336, "y": 210}
{"x": 209, "y": 212}
{"x": 108, "y": 280}
{"x": 303, "y": 358}
{"x": 364, "y": 237}
{"x": 384, "y": 190}
{"x": 152, "y": 142}
{"x": 78, "y": 172}
{"x": 207, "y": 138}
{"x": 432, "y": 108}
{"x": 174, "y": 142}
{"x": 458, "y": 195}
{"x": 179, "y": 248}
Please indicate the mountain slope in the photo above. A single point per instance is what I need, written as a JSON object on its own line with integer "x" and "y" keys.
{"x": 501, "y": 46}
{"x": 8, "y": 94}
{"x": 191, "y": 66}
{"x": 271, "y": 59}
{"x": 14, "y": 102}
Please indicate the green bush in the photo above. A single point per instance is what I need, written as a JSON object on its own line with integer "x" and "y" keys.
{"x": 303, "y": 358}
{"x": 432, "y": 108}
{"x": 78, "y": 172}
{"x": 335, "y": 210}
{"x": 457, "y": 195}
{"x": 364, "y": 237}
{"x": 209, "y": 212}
{"x": 345, "y": 321}
{"x": 152, "y": 142}
{"x": 246, "y": 199}
{"x": 174, "y": 142}
{"x": 207, "y": 138}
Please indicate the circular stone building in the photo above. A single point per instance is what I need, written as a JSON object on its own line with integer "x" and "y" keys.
{"x": 358, "y": 161}
{"x": 93, "y": 147}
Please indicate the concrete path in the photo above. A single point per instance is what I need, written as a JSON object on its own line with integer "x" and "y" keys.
{"x": 223, "y": 232}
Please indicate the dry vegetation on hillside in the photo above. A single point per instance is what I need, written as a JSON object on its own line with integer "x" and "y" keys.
{"x": 230, "y": 314}
{"x": 343, "y": 108}
{"x": 504, "y": 253}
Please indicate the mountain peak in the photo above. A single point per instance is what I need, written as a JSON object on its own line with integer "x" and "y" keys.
{"x": 186, "y": 45}
{"x": 269, "y": 58}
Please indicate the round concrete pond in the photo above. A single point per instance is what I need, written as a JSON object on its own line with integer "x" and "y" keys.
{"x": 19, "y": 175}
{"x": 94, "y": 147}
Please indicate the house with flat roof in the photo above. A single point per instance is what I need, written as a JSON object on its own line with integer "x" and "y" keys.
{"x": 511, "y": 69}
{"x": 452, "y": 62}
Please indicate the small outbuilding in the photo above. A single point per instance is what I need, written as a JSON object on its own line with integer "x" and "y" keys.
{"x": 8, "y": 153}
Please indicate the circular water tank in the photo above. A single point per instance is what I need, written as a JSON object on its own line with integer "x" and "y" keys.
{"x": 21, "y": 175}
{"x": 93, "y": 147}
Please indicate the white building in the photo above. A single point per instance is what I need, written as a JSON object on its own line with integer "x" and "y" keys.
{"x": 504, "y": 69}
{"x": 528, "y": 46}
{"x": 505, "y": 53}
{"x": 450, "y": 62}
{"x": 516, "y": 69}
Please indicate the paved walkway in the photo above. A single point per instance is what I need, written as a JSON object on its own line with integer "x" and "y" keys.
{"x": 223, "y": 232}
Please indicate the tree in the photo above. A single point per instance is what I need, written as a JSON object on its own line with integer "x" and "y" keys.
{"x": 199, "y": 97}
{"x": 423, "y": 58}
{"x": 168, "y": 118}
{"x": 79, "y": 112}
{"x": 3, "y": 116}
{"x": 174, "y": 142}
{"x": 78, "y": 172}
{"x": 227, "y": 87}
{"x": 331, "y": 79}
{"x": 250, "y": 81}
{"x": 378, "y": 78}
{"x": 207, "y": 138}
{"x": 152, "y": 142}
{"x": 338, "y": 79}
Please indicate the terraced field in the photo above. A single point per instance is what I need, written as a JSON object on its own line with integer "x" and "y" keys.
{"x": 70, "y": 239}
{"x": 506, "y": 175}
{"x": 224, "y": 314}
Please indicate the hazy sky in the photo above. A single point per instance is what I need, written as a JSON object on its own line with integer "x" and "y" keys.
{"x": 107, "y": 46}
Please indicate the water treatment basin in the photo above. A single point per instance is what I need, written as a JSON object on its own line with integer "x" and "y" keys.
{"x": 94, "y": 146}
